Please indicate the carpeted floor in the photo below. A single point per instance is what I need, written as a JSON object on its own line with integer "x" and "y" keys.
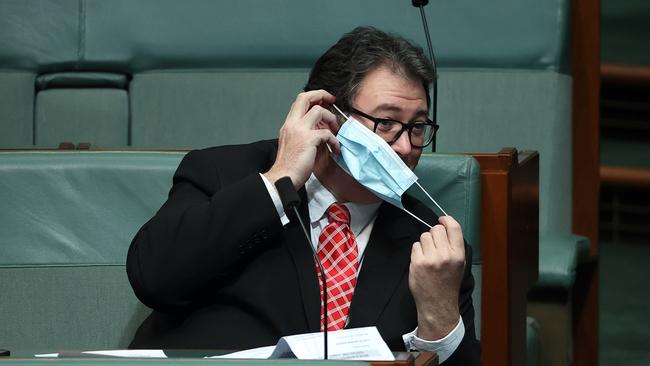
{"x": 624, "y": 304}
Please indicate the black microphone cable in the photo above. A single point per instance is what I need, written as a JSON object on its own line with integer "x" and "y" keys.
{"x": 290, "y": 201}
{"x": 434, "y": 98}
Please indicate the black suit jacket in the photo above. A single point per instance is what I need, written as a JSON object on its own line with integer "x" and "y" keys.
{"x": 221, "y": 272}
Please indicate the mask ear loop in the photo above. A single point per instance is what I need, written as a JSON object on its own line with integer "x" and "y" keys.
{"x": 434, "y": 202}
{"x": 338, "y": 110}
{"x": 431, "y": 198}
{"x": 415, "y": 217}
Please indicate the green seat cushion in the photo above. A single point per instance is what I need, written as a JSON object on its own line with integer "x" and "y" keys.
{"x": 559, "y": 256}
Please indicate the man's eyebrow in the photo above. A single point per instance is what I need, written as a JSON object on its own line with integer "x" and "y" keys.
{"x": 394, "y": 108}
{"x": 387, "y": 107}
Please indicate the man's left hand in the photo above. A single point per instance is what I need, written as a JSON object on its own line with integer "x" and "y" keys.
{"x": 435, "y": 275}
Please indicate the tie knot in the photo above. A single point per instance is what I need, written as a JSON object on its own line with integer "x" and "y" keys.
{"x": 339, "y": 213}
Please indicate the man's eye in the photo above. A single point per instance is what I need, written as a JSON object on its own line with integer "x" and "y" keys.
{"x": 418, "y": 129}
{"x": 385, "y": 125}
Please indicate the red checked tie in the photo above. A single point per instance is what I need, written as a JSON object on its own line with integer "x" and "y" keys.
{"x": 337, "y": 251}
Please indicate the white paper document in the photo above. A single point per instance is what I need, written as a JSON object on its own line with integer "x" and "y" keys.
{"x": 260, "y": 352}
{"x": 347, "y": 344}
{"x": 129, "y": 353}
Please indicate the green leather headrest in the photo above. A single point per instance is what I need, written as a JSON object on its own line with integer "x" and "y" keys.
{"x": 129, "y": 36}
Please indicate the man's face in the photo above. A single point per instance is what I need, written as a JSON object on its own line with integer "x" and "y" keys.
{"x": 384, "y": 94}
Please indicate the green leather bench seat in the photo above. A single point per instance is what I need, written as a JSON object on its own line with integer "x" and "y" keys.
{"x": 68, "y": 219}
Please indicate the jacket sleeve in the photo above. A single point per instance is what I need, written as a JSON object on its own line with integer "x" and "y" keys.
{"x": 212, "y": 223}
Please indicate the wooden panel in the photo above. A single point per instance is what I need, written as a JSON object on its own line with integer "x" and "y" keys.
{"x": 625, "y": 74}
{"x": 624, "y": 176}
{"x": 509, "y": 250}
{"x": 585, "y": 69}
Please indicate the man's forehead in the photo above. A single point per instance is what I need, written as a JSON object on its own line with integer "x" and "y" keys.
{"x": 386, "y": 90}
{"x": 397, "y": 108}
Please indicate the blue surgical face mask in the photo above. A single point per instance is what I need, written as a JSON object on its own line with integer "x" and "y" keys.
{"x": 374, "y": 164}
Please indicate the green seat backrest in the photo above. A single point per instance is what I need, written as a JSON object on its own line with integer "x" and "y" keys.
{"x": 454, "y": 181}
{"x": 67, "y": 221}
{"x": 189, "y": 74}
{"x": 524, "y": 109}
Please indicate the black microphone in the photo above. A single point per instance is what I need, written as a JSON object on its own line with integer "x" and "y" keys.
{"x": 290, "y": 201}
{"x": 434, "y": 98}
{"x": 287, "y": 192}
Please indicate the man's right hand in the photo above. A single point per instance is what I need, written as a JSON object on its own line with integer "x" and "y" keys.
{"x": 307, "y": 126}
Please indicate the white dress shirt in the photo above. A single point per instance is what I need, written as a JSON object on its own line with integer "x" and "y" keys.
{"x": 362, "y": 219}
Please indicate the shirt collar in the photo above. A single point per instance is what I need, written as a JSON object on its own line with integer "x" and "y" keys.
{"x": 319, "y": 199}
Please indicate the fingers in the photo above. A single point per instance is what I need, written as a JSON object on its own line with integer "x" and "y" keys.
{"x": 305, "y": 100}
{"x": 328, "y": 137}
{"x": 443, "y": 240}
{"x": 416, "y": 251}
{"x": 454, "y": 232}
{"x": 306, "y": 130}
{"x": 435, "y": 276}
{"x": 323, "y": 117}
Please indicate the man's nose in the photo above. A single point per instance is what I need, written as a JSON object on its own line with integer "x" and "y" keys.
{"x": 402, "y": 146}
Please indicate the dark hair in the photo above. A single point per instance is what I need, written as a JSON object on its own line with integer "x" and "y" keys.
{"x": 343, "y": 67}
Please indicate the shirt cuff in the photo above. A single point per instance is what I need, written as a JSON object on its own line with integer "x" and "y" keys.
{"x": 276, "y": 200}
{"x": 444, "y": 347}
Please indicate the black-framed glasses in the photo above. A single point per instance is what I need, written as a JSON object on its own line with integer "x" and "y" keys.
{"x": 420, "y": 134}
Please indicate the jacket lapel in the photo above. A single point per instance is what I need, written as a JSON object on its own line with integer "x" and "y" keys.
{"x": 385, "y": 263}
{"x": 304, "y": 264}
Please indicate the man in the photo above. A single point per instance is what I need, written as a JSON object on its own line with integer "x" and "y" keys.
{"x": 223, "y": 268}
